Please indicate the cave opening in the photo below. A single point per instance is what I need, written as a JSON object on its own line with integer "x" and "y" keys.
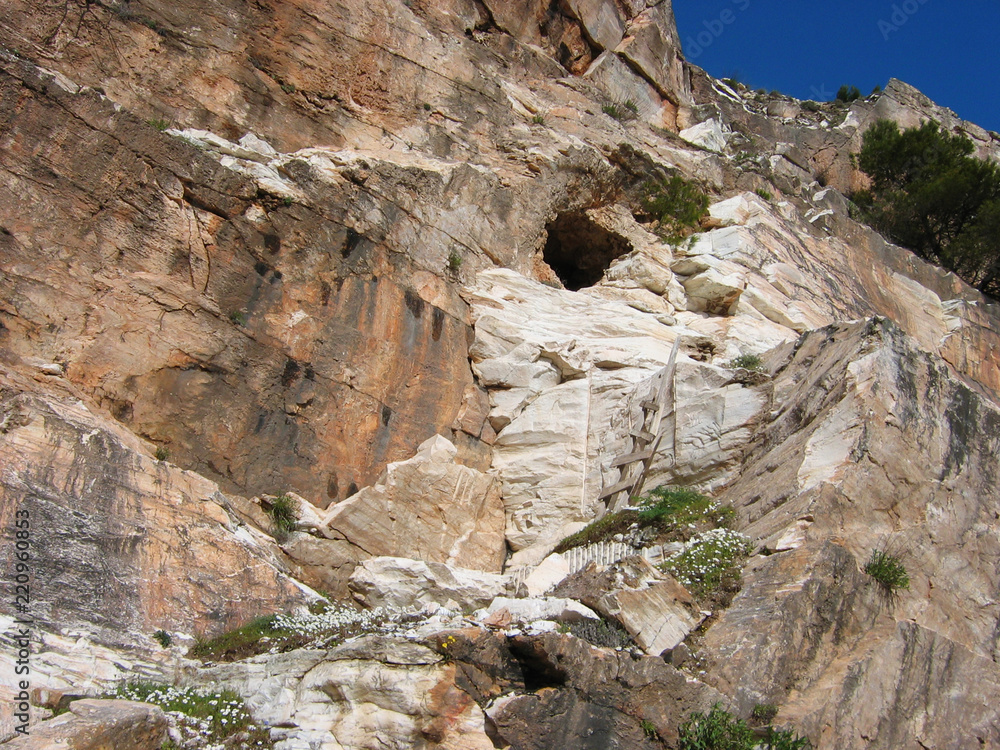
{"x": 579, "y": 251}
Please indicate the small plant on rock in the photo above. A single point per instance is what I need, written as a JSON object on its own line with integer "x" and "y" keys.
{"x": 159, "y": 123}
{"x": 888, "y": 571}
{"x": 603, "y": 633}
{"x": 785, "y": 739}
{"x": 765, "y": 194}
{"x": 764, "y": 713}
{"x": 283, "y": 513}
{"x": 163, "y": 638}
{"x": 538, "y": 120}
{"x": 621, "y": 111}
{"x": 649, "y": 729}
{"x": 454, "y": 261}
{"x": 751, "y": 362}
{"x": 162, "y": 453}
{"x": 238, "y": 317}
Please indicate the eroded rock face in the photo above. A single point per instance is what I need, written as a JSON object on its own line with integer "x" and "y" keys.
{"x": 124, "y": 544}
{"x": 873, "y": 445}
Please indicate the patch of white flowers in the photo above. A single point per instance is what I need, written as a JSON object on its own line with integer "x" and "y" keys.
{"x": 197, "y": 720}
{"x": 336, "y": 623}
{"x": 706, "y": 556}
{"x": 336, "y": 619}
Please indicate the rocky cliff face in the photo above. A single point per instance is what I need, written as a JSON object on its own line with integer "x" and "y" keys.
{"x": 391, "y": 258}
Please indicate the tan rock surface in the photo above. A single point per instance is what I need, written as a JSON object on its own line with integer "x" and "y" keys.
{"x": 427, "y": 508}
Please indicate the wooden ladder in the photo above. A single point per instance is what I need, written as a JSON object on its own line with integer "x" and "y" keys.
{"x": 659, "y": 417}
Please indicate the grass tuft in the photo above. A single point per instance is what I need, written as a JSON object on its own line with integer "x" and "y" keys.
{"x": 888, "y": 571}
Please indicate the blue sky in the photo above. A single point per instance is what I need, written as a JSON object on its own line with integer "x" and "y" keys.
{"x": 949, "y": 49}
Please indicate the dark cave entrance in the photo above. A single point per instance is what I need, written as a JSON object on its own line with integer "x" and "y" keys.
{"x": 579, "y": 251}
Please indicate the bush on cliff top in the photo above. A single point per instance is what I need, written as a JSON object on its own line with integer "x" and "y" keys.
{"x": 929, "y": 194}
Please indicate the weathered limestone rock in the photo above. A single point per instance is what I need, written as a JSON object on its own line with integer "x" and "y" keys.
{"x": 655, "y": 609}
{"x": 99, "y": 725}
{"x": 708, "y": 134}
{"x": 399, "y": 583}
{"x": 426, "y": 508}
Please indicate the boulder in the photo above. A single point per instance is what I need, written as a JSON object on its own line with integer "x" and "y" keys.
{"x": 400, "y": 583}
{"x": 656, "y": 610}
{"x": 427, "y": 508}
{"x": 708, "y": 134}
{"x": 98, "y": 725}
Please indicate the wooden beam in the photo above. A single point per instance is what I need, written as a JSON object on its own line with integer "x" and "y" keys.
{"x": 630, "y": 457}
{"x": 616, "y": 488}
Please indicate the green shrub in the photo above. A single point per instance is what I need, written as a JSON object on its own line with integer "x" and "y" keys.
{"x": 670, "y": 510}
{"x": 720, "y": 730}
{"x": 238, "y": 317}
{"x": 716, "y": 730}
{"x": 454, "y": 261}
{"x": 671, "y": 506}
{"x": 203, "y": 718}
{"x": 765, "y": 194}
{"x": 751, "y": 362}
{"x": 163, "y": 638}
{"x": 162, "y": 453}
{"x": 848, "y": 93}
{"x": 538, "y": 120}
{"x": 785, "y": 739}
{"x": 283, "y": 513}
{"x": 649, "y": 729}
{"x": 888, "y": 571}
{"x": 676, "y": 204}
{"x": 810, "y": 106}
{"x": 288, "y": 88}
{"x": 928, "y": 193}
{"x": 159, "y": 123}
{"x": 287, "y": 200}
